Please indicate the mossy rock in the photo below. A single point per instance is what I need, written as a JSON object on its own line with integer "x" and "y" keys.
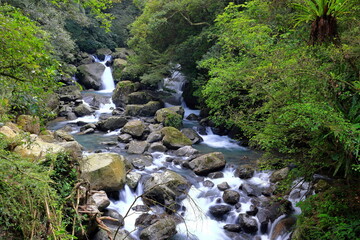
{"x": 168, "y": 118}
{"x": 135, "y": 128}
{"x": 122, "y": 90}
{"x": 174, "y": 139}
{"x": 143, "y": 110}
{"x": 208, "y": 163}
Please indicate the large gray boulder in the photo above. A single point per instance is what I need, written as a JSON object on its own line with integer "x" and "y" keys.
{"x": 112, "y": 123}
{"x": 121, "y": 235}
{"x": 138, "y": 147}
{"x": 139, "y": 98}
{"x": 89, "y": 75}
{"x": 164, "y": 188}
{"x": 83, "y": 110}
{"x": 143, "y": 110}
{"x": 162, "y": 229}
{"x": 104, "y": 171}
{"x": 135, "y": 128}
{"x": 207, "y": 163}
{"x": 192, "y": 135}
{"x": 248, "y": 224}
{"x": 174, "y": 139}
{"x": 168, "y": 117}
{"x": 245, "y": 171}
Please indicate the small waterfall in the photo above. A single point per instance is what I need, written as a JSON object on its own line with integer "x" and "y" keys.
{"x": 107, "y": 79}
{"x": 176, "y": 84}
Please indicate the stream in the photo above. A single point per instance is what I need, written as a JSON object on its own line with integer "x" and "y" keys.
{"x": 197, "y": 223}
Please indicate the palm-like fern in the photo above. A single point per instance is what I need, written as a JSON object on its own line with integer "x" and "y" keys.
{"x": 323, "y": 16}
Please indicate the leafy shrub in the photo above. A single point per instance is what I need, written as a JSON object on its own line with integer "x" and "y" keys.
{"x": 330, "y": 215}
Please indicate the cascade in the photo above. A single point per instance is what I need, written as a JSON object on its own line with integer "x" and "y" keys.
{"x": 107, "y": 79}
{"x": 196, "y": 221}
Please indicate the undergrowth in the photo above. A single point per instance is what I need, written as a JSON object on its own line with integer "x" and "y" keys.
{"x": 33, "y": 196}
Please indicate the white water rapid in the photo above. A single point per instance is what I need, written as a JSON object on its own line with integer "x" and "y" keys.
{"x": 107, "y": 79}
{"x": 195, "y": 220}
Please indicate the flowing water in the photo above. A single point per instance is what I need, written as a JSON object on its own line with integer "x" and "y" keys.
{"x": 197, "y": 223}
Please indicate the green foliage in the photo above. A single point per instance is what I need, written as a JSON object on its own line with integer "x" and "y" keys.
{"x": 309, "y": 10}
{"x": 27, "y": 69}
{"x": 286, "y": 96}
{"x": 170, "y": 32}
{"x": 330, "y": 215}
{"x": 30, "y": 207}
{"x": 173, "y": 120}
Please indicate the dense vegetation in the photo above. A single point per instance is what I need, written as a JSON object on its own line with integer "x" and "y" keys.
{"x": 284, "y": 73}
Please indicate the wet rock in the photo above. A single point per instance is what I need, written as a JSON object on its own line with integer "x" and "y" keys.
{"x": 278, "y": 208}
{"x": 263, "y": 216}
{"x": 29, "y": 123}
{"x": 135, "y": 128}
{"x": 250, "y": 190}
{"x": 216, "y": 175}
{"x": 208, "y": 163}
{"x": 192, "y": 135}
{"x": 164, "y": 187}
{"x": 70, "y": 116}
{"x": 124, "y": 138}
{"x": 138, "y": 164}
{"x": 144, "y": 110}
{"x": 139, "y": 98}
{"x": 89, "y": 75}
{"x": 138, "y": 147}
{"x": 168, "y": 118}
{"x": 100, "y": 200}
{"x": 154, "y": 137}
{"x": 157, "y": 147}
{"x": 237, "y": 205}
{"x": 285, "y": 225}
{"x": 160, "y": 230}
{"x": 115, "y": 215}
{"x": 104, "y": 171}
{"x": 141, "y": 208}
{"x": 208, "y": 183}
{"x": 87, "y": 126}
{"x": 279, "y": 175}
{"x": 231, "y": 197}
{"x": 112, "y": 123}
{"x": 245, "y": 172}
{"x": 223, "y": 186}
{"x": 132, "y": 179}
{"x": 233, "y": 227}
{"x": 218, "y": 211}
{"x": 121, "y": 235}
{"x": 253, "y": 211}
{"x": 174, "y": 139}
{"x": 83, "y": 110}
{"x": 145, "y": 220}
{"x": 192, "y": 117}
{"x": 186, "y": 151}
{"x": 248, "y": 224}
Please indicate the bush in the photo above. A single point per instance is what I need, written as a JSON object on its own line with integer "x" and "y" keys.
{"x": 330, "y": 215}
{"x": 32, "y": 196}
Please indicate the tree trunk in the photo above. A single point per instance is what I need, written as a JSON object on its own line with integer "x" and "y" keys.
{"x": 324, "y": 29}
